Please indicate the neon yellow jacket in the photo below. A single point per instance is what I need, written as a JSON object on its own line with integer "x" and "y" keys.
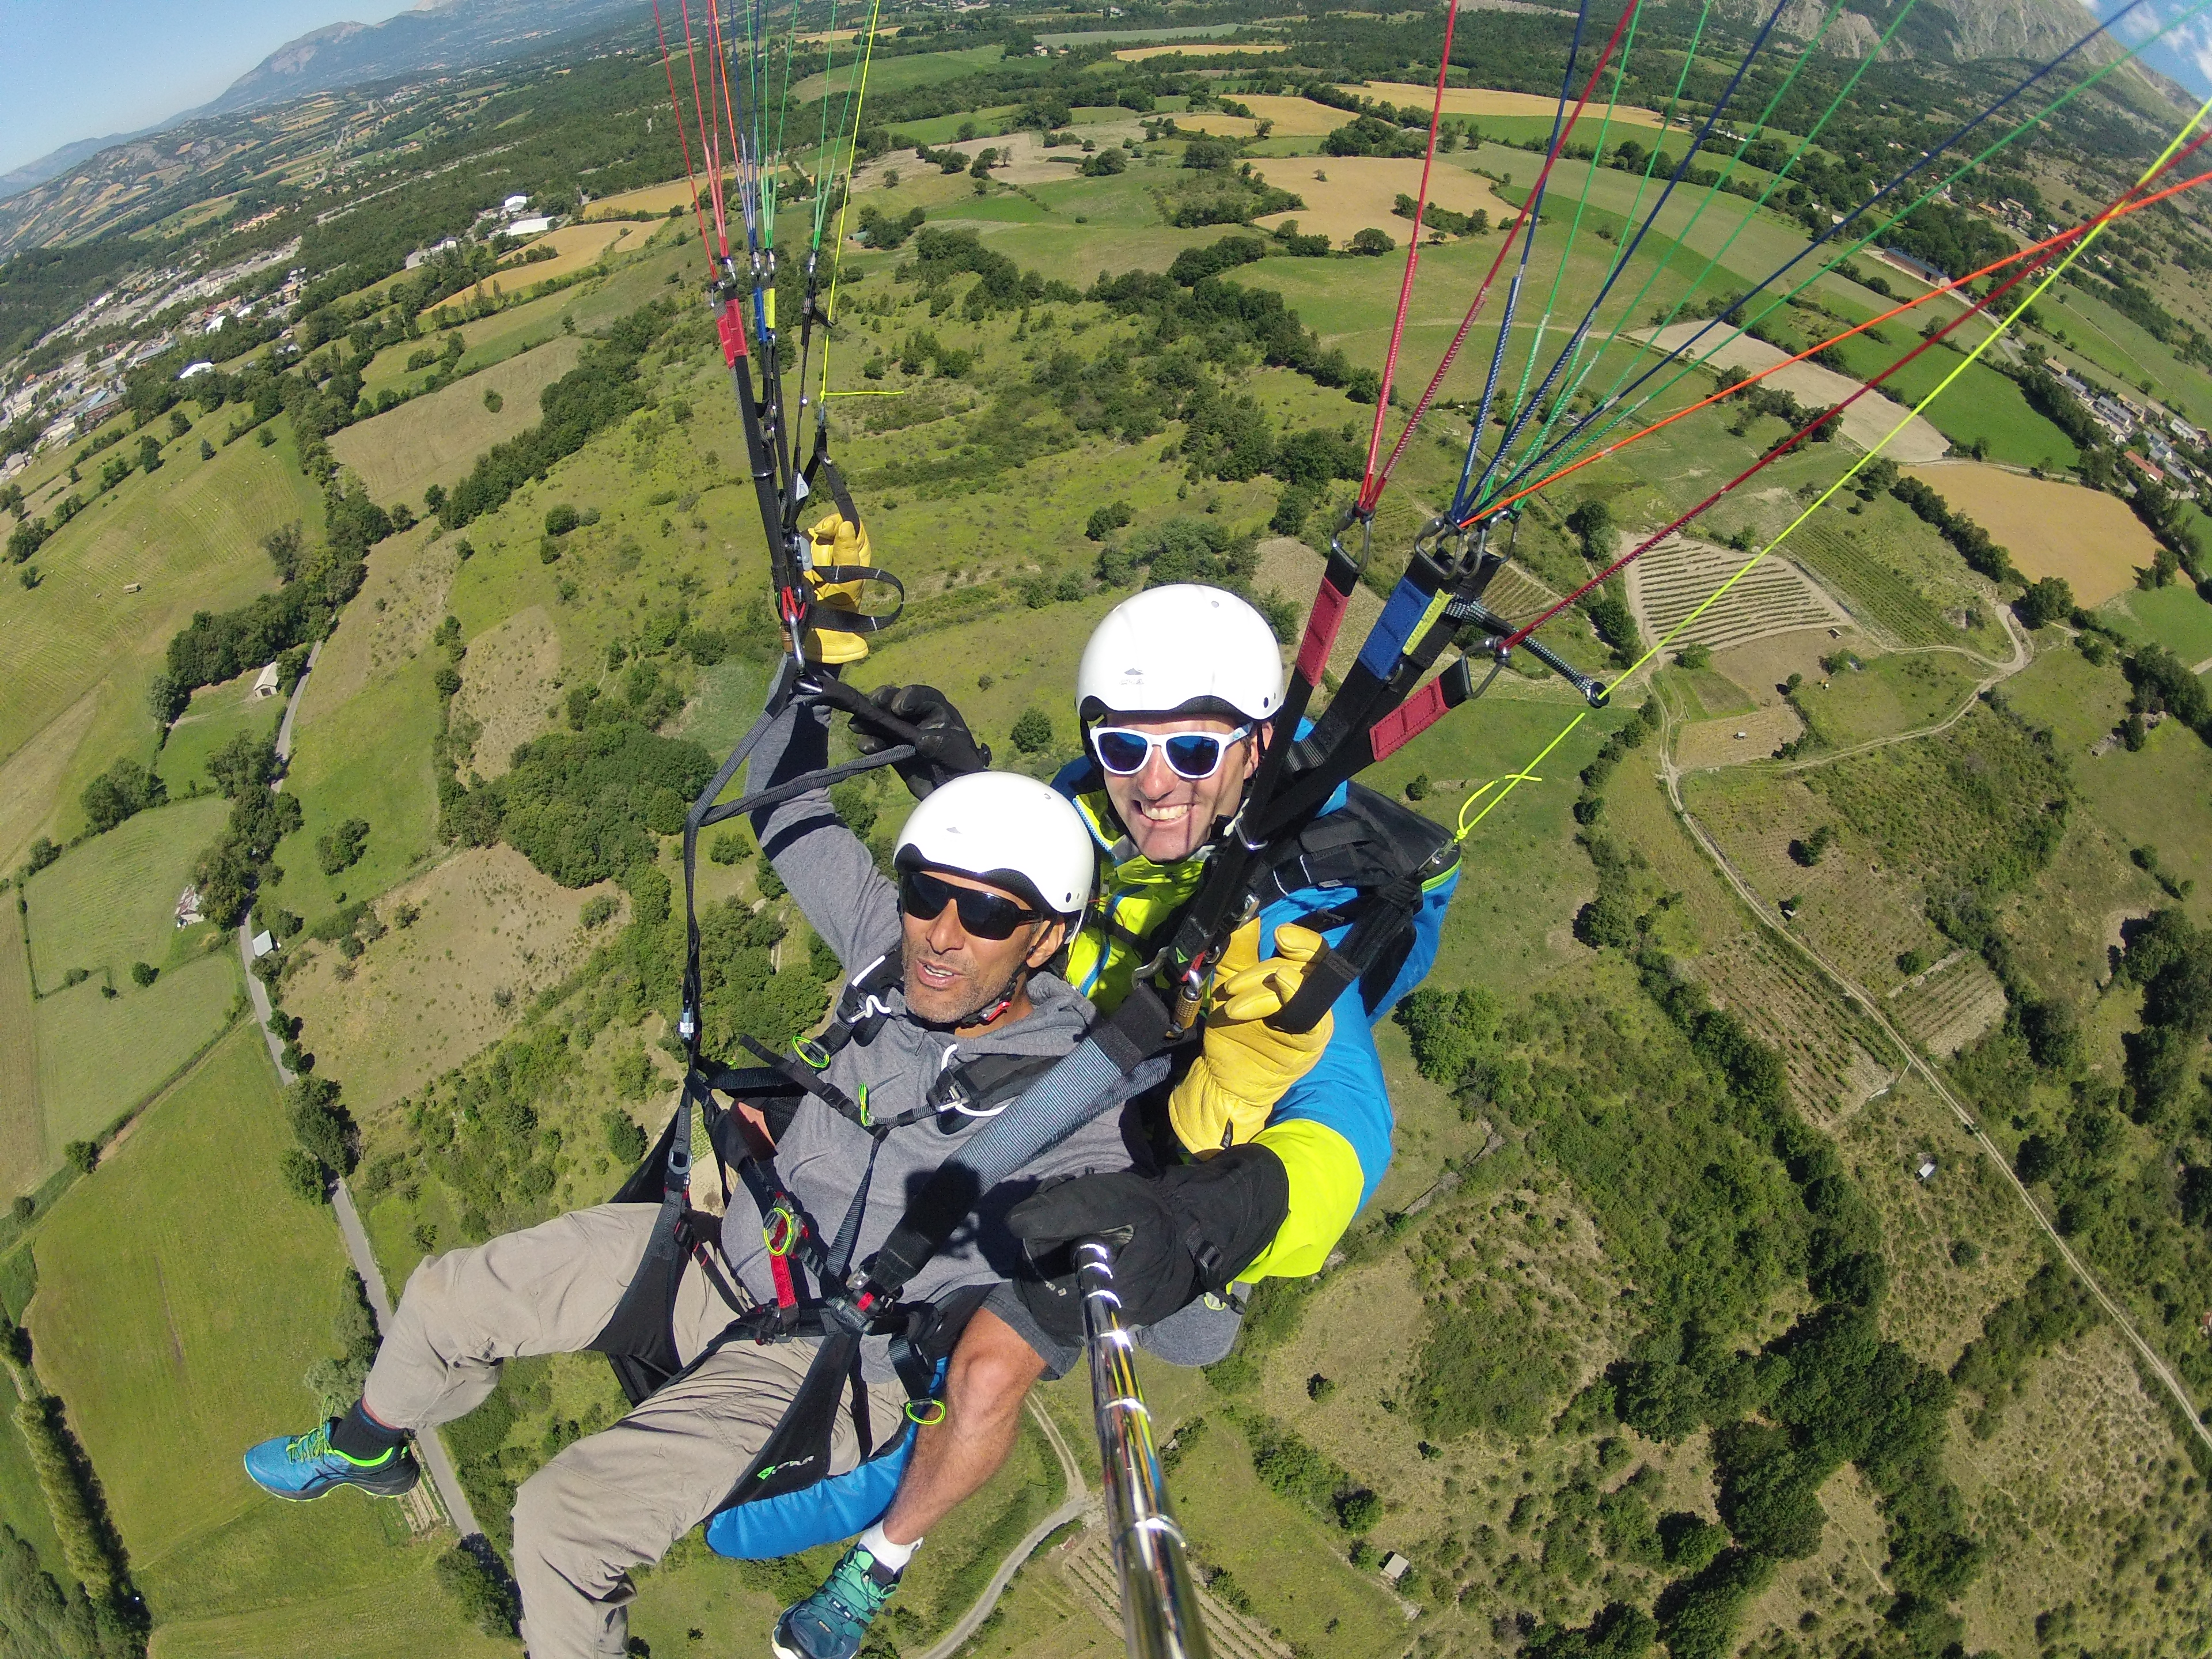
{"x": 1332, "y": 1129}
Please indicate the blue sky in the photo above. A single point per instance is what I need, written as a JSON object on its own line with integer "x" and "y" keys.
{"x": 81, "y": 69}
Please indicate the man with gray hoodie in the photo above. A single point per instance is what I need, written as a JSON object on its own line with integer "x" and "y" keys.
{"x": 953, "y": 955}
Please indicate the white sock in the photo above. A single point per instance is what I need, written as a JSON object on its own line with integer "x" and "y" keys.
{"x": 892, "y": 1557}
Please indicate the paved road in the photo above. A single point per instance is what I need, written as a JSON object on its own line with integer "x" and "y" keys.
{"x": 1079, "y": 1503}
{"x": 429, "y": 1447}
{"x": 1772, "y": 923}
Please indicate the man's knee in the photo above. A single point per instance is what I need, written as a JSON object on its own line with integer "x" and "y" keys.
{"x": 992, "y": 1370}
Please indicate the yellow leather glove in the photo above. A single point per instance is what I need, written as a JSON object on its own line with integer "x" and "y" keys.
{"x": 1245, "y": 1064}
{"x": 837, "y": 541}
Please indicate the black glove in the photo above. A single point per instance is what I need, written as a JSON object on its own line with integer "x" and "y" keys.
{"x": 947, "y": 750}
{"x": 1193, "y": 1228}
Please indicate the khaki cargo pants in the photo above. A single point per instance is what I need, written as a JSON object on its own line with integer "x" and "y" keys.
{"x": 620, "y": 1497}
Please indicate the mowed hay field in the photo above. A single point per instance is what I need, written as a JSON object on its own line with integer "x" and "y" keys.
{"x": 436, "y": 438}
{"x": 106, "y": 904}
{"x": 423, "y": 998}
{"x": 182, "y": 1295}
{"x": 1294, "y": 118}
{"x": 23, "y": 1155}
{"x": 2085, "y": 536}
{"x": 2175, "y": 616}
{"x": 1345, "y": 194}
{"x": 111, "y": 901}
{"x": 575, "y": 247}
{"x": 189, "y": 536}
{"x": 1481, "y": 100}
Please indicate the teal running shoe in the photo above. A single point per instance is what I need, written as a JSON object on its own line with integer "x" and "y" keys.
{"x": 307, "y": 1465}
{"x": 833, "y": 1622}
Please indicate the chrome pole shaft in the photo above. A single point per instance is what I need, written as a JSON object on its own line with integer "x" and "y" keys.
{"x": 1159, "y": 1600}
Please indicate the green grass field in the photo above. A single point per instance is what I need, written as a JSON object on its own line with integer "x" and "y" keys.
{"x": 2173, "y": 616}
{"x": 188, "y": 535}
{"x": 1890, "y": 694}
{"x": 111, "y": 901}
{"x": 2127, "y": 352}
{"x": 23, "y": 1158}
{"x": 99, "y": 1057}
{"x": 2161, "y": 798}
{"x": 1981, "y": 405}
{"x": 218, "y": 713}
{"x": 886, "y": 75}
{"x": 369, "y": 757}
{"x": 182, "y": 1294}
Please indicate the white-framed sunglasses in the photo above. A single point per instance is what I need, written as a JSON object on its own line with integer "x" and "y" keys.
{"x": 1192, "y": 756}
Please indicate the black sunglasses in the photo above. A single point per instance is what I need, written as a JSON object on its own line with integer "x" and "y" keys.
{"x": 983, "y": 915}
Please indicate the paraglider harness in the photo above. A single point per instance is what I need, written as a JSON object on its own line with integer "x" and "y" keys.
{"x": 843, "y": 1307}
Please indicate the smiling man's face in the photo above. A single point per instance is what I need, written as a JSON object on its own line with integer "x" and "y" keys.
{"x": 1169, "y": 817}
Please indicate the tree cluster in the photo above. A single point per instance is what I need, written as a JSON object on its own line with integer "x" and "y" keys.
{"x": 583, "y": 806}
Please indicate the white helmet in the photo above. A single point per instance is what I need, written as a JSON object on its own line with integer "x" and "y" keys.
{"x": 1182, "y": 647}
{"x": 1007, "y": 830}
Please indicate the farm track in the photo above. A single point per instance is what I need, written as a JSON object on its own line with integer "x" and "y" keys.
{"x": 1913, "y": 1060}
{"x": 431, "y": 1446}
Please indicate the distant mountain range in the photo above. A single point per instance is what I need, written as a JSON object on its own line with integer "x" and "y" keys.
{"x": 437, "y": 35}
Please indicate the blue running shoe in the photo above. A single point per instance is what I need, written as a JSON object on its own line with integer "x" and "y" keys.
{"x": 307, "y": 1465}
{"x": 833, "y": 1622}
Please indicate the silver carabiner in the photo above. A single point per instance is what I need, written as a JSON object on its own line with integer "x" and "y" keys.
{"x": 1366, "y": 522}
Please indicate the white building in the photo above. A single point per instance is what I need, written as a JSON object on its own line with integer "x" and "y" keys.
{"x": 514, "y": 204}
{"x": 534, "y": 226}
{"x": 1394, "y": 1567}
{"x": 265, "y": 683}
{"x": 193, "y": 371}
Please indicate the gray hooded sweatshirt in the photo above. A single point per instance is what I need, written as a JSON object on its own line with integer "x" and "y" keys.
{"x": 822, "y": 1156}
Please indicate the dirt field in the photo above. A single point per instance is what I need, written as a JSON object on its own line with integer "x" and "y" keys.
{"x": 1739, "y": 739}
{"x": 654, "y": 201}
{"x": 436, "y": 438}
{"x": 1865, "y": 423}
{"x": 422, "y": 997}
{"x": 1191, "y": 48}
{"x": 1674, "y": 579}
{"x": 578, "y": 245}
{"x": 1480, "y": 100}
{"x": 506, "y": 682}
{"x": 1345, "y": 194}
{"x": 2051, "y": 529}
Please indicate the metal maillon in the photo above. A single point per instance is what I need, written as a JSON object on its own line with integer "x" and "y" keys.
{"x": 1159, "y": 1600}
